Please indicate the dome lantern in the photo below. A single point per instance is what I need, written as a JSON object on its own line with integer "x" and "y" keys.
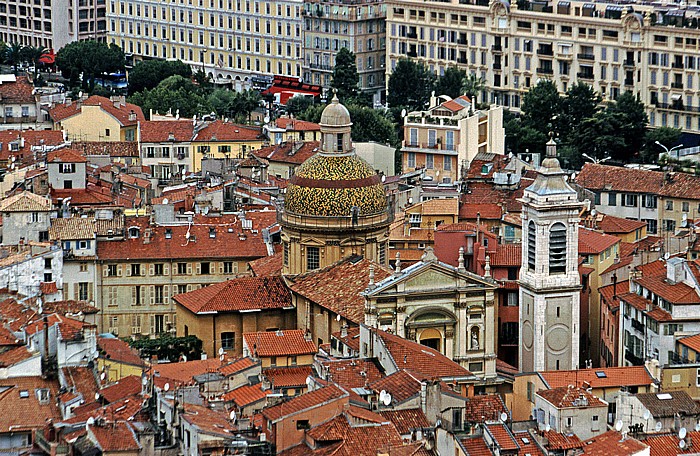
{"x": 335, "y": 128}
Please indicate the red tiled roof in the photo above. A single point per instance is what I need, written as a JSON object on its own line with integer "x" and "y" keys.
{"x": 654, "y": 269}
{"x": 69, "y": 328}
{"x": 502, "y": 436}
{"x": 267, "y": 266}
{"x": 455, "y": 106}
{"x": 19, "y": 92}
{"x": 604, "y": 377}
{"x": 125, "y": 387}
{"x": 619, "y": 179}
{"x": 291, "y": 342}
{"x": 90, "y": 196}
{"x": 530, "y": 447}
{"x": 352, "y": 373}
{"x": 80, "y": 380}
{"x": 31, "y": 138}
{"x": 158, "y": 131}
{"x": 568, "y": 397}
{"x": 117, "y": 350}
{"x": 292, "y": 124}
{"x": 338, "y": 286}
{"x": 201, "y": 245}
{"x": 288, "y": 377}
{"x": 208, "y": 421}
{"x": 624, "y": 261}
{"x": 692, "y": 342}
{"x": 20, "y": 413}
{"x": 612, "y": 442}
{"x": 47, "y": 288}
{"x": 117, "y": 436}
{"x": 237, "y": 366}
{"x": 225, "y": 131}
{"x": 418, "y": 358}
{"x": 121, "y": 113}
{"x": 593, "y": 242}
{"x": 406, "y": 420}
{"x": 65, "y": 156}
{"x": 677, "y": 293}
{"x": 182, "y": 373}
{"x": 246, "y": 395}
{"x": 557, "y": 441}
{"x": 402, "y": 385}
{"x": 476, "y": 446}
{"x": 485, "y": 408}
{"x": 294, "y": 153}
{"x": 484, "y": 211}
{"x": 507, "y": 255}
{"x": 667, "y": 444}
{"x": 115, "y": 149}
{"x": 13, "y": 354}
{"x": 306, "y": 401}
{"x": 618, "y": 225}
{"x": 8, "y": 338}
{"x": 352, "y": 340}
{"x": 243, "y": 293}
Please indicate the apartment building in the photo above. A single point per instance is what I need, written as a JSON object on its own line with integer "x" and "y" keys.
{"x": 448, "y": 136}
{"x": 52, "y": 23}
{"x": 231, "y": 40}
{"x": 649, "y": 50}
{"x": 358, "y": 26}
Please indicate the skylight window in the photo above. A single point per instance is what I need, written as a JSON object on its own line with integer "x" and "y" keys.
{"x": 601, "y": 374}
{"x": 664, "y": 396}
{"x": 24, "y": 394}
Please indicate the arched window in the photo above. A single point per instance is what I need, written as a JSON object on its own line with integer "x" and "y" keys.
{"x": 531, "y": 246}
{"x": 557, "y": 248}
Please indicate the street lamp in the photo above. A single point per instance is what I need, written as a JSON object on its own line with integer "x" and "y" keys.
{"x": 597, "y": 161}
{"x": 668, "y": 151}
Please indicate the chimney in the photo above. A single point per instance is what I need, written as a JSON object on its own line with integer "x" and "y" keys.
{"x": 460, "y": 261}
{"x": 46, "y": 343}
{"x": 132, "y": 116}
{"x": 614, "y": 279}
{"x": 344, "y": 330}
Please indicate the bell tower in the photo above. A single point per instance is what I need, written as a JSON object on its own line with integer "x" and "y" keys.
{"x": 549, "y": 277}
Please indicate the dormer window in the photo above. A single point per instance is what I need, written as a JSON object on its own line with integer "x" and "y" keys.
{"x": 212, "y": 232}
{"x": 168, "y": 233}
{"x": 134, "y": 232}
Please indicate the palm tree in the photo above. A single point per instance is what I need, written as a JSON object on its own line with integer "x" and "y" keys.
{"x": 472, "y": 85}
{"x": 33, "y": 55}
{"x": 14, "y": 55}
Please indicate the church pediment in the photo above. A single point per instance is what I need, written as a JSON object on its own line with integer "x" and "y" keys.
{"x": 431, "y": 278}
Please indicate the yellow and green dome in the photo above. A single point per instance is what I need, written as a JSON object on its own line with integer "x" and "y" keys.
{"x": 330, "y": 185}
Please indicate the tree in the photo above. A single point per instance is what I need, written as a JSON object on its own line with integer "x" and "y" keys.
{"x": 346, "y": 80}
{"x": 581, "y": 102}
{"x": 147, "y": 74}
{"x": 665, "y": 135}
{"x": 33, "y": 56}
{"x": 168, "y": 347}
{"x": 367, "y": 124}
{"x": 14, "y": 55}
{"x": 632, "y": 118}
{"x": 450, "y": 83}
{"x": 297, "y": 105}
{"x": 472, "y": 85}
{"x": 410, "y": 85}
{"x": 92, "y": 59}
{"x": 175, "y": 94}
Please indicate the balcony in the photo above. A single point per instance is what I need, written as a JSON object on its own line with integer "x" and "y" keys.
{"x": 412, "y": 35}
{"x": 428, "y": 147}
{"x": 676, "y": 85}
{"x": 584, "y": 76}
{"x": 548, "y": 52}
{"x": 564, "y": 56}
{"x": 321, "y": 223}
{"x": 678, "y": 65}
{"x": 586, "y": 57}
{"x": 635, "y": 360}
{"x": 320, "y": 66}
{"x": 629, "y": 82}
{"x": 441, "y": 121}
{"x": 545, "y": 71}
{"x": 462, "y": 60}
{"x": 636, "y": 324}
{"x": 497, "y": 48}
{"x": 52, "y": 448}
{"x": 628, "y": 63}
{"x": 496, "y": 66}
{"x": 412, "y": 54}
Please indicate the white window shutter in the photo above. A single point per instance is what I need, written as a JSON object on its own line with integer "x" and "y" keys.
{"x": 221, "y": 268}
{"x": 152, "y": 291}
{"x": 119, "y": 270}
{"x": 199, "y": 268}
{"x": 166, "y": 294}
{"x": 189, "y": 268}
{"x": 142, "y": 269}
{"x": 133, "y": 295}
{"x": 153, "y": 324}
{"x": 235, "y": 267}
{"x": 105, "y": 271}
{"x": 150, "y": 270}
{"x": 128, "y": 271}
{"x": 166, "y": 270}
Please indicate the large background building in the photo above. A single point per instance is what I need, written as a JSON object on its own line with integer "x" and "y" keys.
{"x": 614, "y": 48}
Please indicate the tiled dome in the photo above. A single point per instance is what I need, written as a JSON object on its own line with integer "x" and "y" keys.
{"x": 328, "y": 185}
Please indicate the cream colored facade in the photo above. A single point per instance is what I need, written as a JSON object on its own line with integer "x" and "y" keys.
{"x": 93, "y": 123}
{"x": 231, "y": 40}
{"x": 600, "y": 44}
{"x": 221, "y": 149}
{"x": 358, "y": 26}
{"x": 443, "y": 142}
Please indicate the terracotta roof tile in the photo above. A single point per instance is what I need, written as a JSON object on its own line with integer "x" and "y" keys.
{"x": 527, "y": 446}
{"x": 653, "y": 269}
{"x": 82, "y": 196}
{"x": 288, "y": 377}
{"x": 667, "y": 444}
{"x": 15, "y": 416}
{"x": 338, "y": 286}
{"x": 225, "y": 131}
{"x": 476, "y": 446}
{"x": 184, "y": 372}
{"x": 125, "y": 387}
{"x": 402, "y": 385}
{"x": 7, "y": 338}
{"x": 65, "y": 156}
{"x": 237, "y": 366}
{"x": 558, "y": 442}
{"x": 294, "y": 153}
{"x": 30, "y": 138}
{"x": 593, "y": 242}
{"x": 80, "y": 380}
{"x": 117, "y": 350}
{"x": 353, "y": 373}
{"x": 604, "y": 377}
{"x": 692, "y": 342}
{"x": 507, "y": 255}
{"x": 121, "y": 113}
{"x": 47, "y": 288}
{"x": 603, "y": 177}
{"x": 406, "y": 420}
{"x": 612, "y": 442}
{"x": 69, "y": 328}
{"x": 279, "y": 343}
{"x": 677, "y": 293}
{"x": 158, "y": 131}
{"x": 438, "y": 206}
{"x": 291, "y": 124}
{"x": 679, "y": 402}
{"x": 267, "y": 266}
{"x": 25, "y": 202}
{"x": 352, "y": 340}
{"x": 21, "y": 91}
{"x": 243, "y": 293}
{"x": 107, "y": 148}
{"x": 618, "y": 225}
{"x": 502, "y": 436}
{"x": 568, "y": 397}
{"x": 65, "y": 229}
{"x": 305, "y": 401}
{"x": 484, "y": 211}
{"x": 13, "y": 354}
{"x": 117, "y": 436}
{"x": 246, "y": 395}
{"x": 225, "y": 244}
{"x": 485, "y": 408}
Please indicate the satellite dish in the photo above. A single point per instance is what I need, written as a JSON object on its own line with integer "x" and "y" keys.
{"x": 646, "y": 414}
{"x": 697, "y": 427}
{"x": 90, "y": 421}
{"x": 658, "y": 426}
{"x": 102, "y": 376}
{"x": 337, "y": 317}
{"x": 97, "y": 396}
{"x": 618, "y": 425}
{"x": 166, "y": 387}
{"x": 681, "y": 444}
{"x": 80, "y": 94}
{"x": 184, "y": 358}
{"x": 548, "y": 428}
{"x": 403, "y": 113}
{"x": 144, "y": 381}
{"x": 387, "y": 399}
{"x": 221, "y": 351}
{"x": 382, "y": 393}
{"x": 504, "y": 417}
{"x": 682, "y": 433}
{"x": 383, "y": 178}
{"x": 309, "y": 382}
{"x": 232, "y": 416}
{"x": 266, "y": 119}
{"x": 166, "y": 200}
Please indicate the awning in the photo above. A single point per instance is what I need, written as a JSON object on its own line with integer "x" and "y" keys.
{"x": 564, "y": 3}
{"x": 589, "y": 6}
{"x": 613, "y": 8}
{"x": 565, "y": 44}
{"x": 676, "y": 97}
{"x": 677, "y": 13}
